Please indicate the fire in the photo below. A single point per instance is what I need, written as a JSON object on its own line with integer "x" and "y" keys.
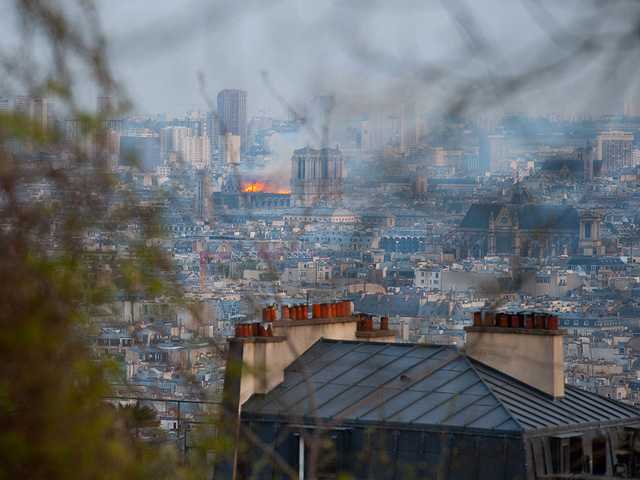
{"x": 265, "y": 186}
{"x": 253, "y": 187}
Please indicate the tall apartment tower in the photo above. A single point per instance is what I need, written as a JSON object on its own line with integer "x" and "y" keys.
{"x": 212, "y": 129}
{"x": 615, "y": 149}
{"x": 106, "y": 107}
{"x": 409, "y": 125}
{"x": 494, "y": 153}
{"x": 316, "y": 177}
{"x": 627, "y": 109}
{"x": 378, "y": 131}
{"x": 232, "y": 110}
{"x": 39, "y": 110}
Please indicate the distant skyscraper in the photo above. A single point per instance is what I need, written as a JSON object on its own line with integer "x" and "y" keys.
{"x": 409, "y": 125}
{"x": 615, "y": 149}
{"x": 106, "y": 107}
{"x": 627, "y": 109}
{"x": 4, "y": 105}
{"x": 494, "y": 153}
{"x": 37, "y": 109}
{"x": 195, "y": 151}
{"x": 141, "y": 148}
{"x": 212, "y": 129}
{"x": 316, "y": 176}
{"x": 103, "y": 148}
{"x": 171, "y": 138}
{"x": 232, "y": 110}
{"x": 377, "y": 130}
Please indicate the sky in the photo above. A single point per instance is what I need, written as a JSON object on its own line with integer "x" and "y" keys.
{"x": 486, "y": 57}
{"x": 444, "y": 53}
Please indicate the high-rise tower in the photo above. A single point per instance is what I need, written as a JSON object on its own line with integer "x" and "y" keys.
{"x": 106, "y": 107}
{"x": 232, "y": 110}
{"x": 615, "y": 149}
{"x": 409, "y": 125}
{"x": 39, "y": 110}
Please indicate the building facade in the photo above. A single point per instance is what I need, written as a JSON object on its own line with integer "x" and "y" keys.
{"x": 615, "y": 150}
{"x": 316, "y": 177}
{"x": 232, "y": 111}
{"x": 494, "y": 153}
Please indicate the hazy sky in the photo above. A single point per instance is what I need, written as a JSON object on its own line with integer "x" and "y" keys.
{"x": 482, "y": 56}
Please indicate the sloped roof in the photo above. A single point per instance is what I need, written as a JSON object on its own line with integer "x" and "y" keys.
{"x": 530, "y": 216}
{"x": 373, "y": 382}
{"x": 551, "y": 217}
{"x": 478, "y": 215}
{"x": 533, "y": 409}
{"x": 576, "y": 166}
{"x": 391, "y": 305}
{"x": 422, "y": 385}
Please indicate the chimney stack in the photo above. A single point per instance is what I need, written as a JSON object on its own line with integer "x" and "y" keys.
{"x": 527, "y": 350}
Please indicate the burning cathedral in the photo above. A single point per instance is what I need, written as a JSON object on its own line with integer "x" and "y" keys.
{"x": 316, "y": 177}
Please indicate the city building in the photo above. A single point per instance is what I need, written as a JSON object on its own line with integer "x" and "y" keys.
{"x": 171, "y": 138}
{"x": 195, "y": 151}
{"x": 106, "y": 107}
{"x": 230, "y": 149}
{"x": 615, "y": 150}
{"x": 409, "y": 125}
{"x": 519, "y": 227}
{"x": 372, "y": 408}
{"x": 212, "y": 129}
{"x": 103, "y": 148}
{"x": 203, "y": 205}
{"x": 4, "y": 105}
{"x": 232, "y": 110}
{"x": 141, "y": 148}
{"x": 494, "y": 153}
{"x": 39, "y": 110}
{"x": 316, "y": 177}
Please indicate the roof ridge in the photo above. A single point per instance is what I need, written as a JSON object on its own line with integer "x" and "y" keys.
{"x": 472, "y": 363}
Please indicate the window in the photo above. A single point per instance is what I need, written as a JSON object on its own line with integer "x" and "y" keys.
{"x": 567, "y": 453}
{"x": 328, "y": 463}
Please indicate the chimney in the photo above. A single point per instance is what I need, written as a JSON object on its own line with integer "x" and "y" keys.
{"x": 529, "y": 348}
{"x": 260, "y": 351}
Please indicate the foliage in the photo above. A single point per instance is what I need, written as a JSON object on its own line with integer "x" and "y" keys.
{"x": 54, "y": 420}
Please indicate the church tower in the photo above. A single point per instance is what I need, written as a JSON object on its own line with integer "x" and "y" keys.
{"x": 316, "y": 177}
{"x": 590, "y": 242}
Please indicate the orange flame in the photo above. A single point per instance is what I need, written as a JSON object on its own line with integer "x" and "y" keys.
{"x": 253, "y": 187}
{"x": 265, "y": 186}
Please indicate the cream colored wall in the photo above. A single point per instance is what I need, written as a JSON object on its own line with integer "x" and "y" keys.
{"x": 535, "y": 358}
{"x": 264, "y": 363}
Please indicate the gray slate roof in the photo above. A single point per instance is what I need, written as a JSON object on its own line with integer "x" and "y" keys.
{"x": 421, "y": 385}
{"x": 530, "y": 217}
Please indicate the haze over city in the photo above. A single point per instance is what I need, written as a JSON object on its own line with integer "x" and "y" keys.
{"x": 338, "y": 239}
